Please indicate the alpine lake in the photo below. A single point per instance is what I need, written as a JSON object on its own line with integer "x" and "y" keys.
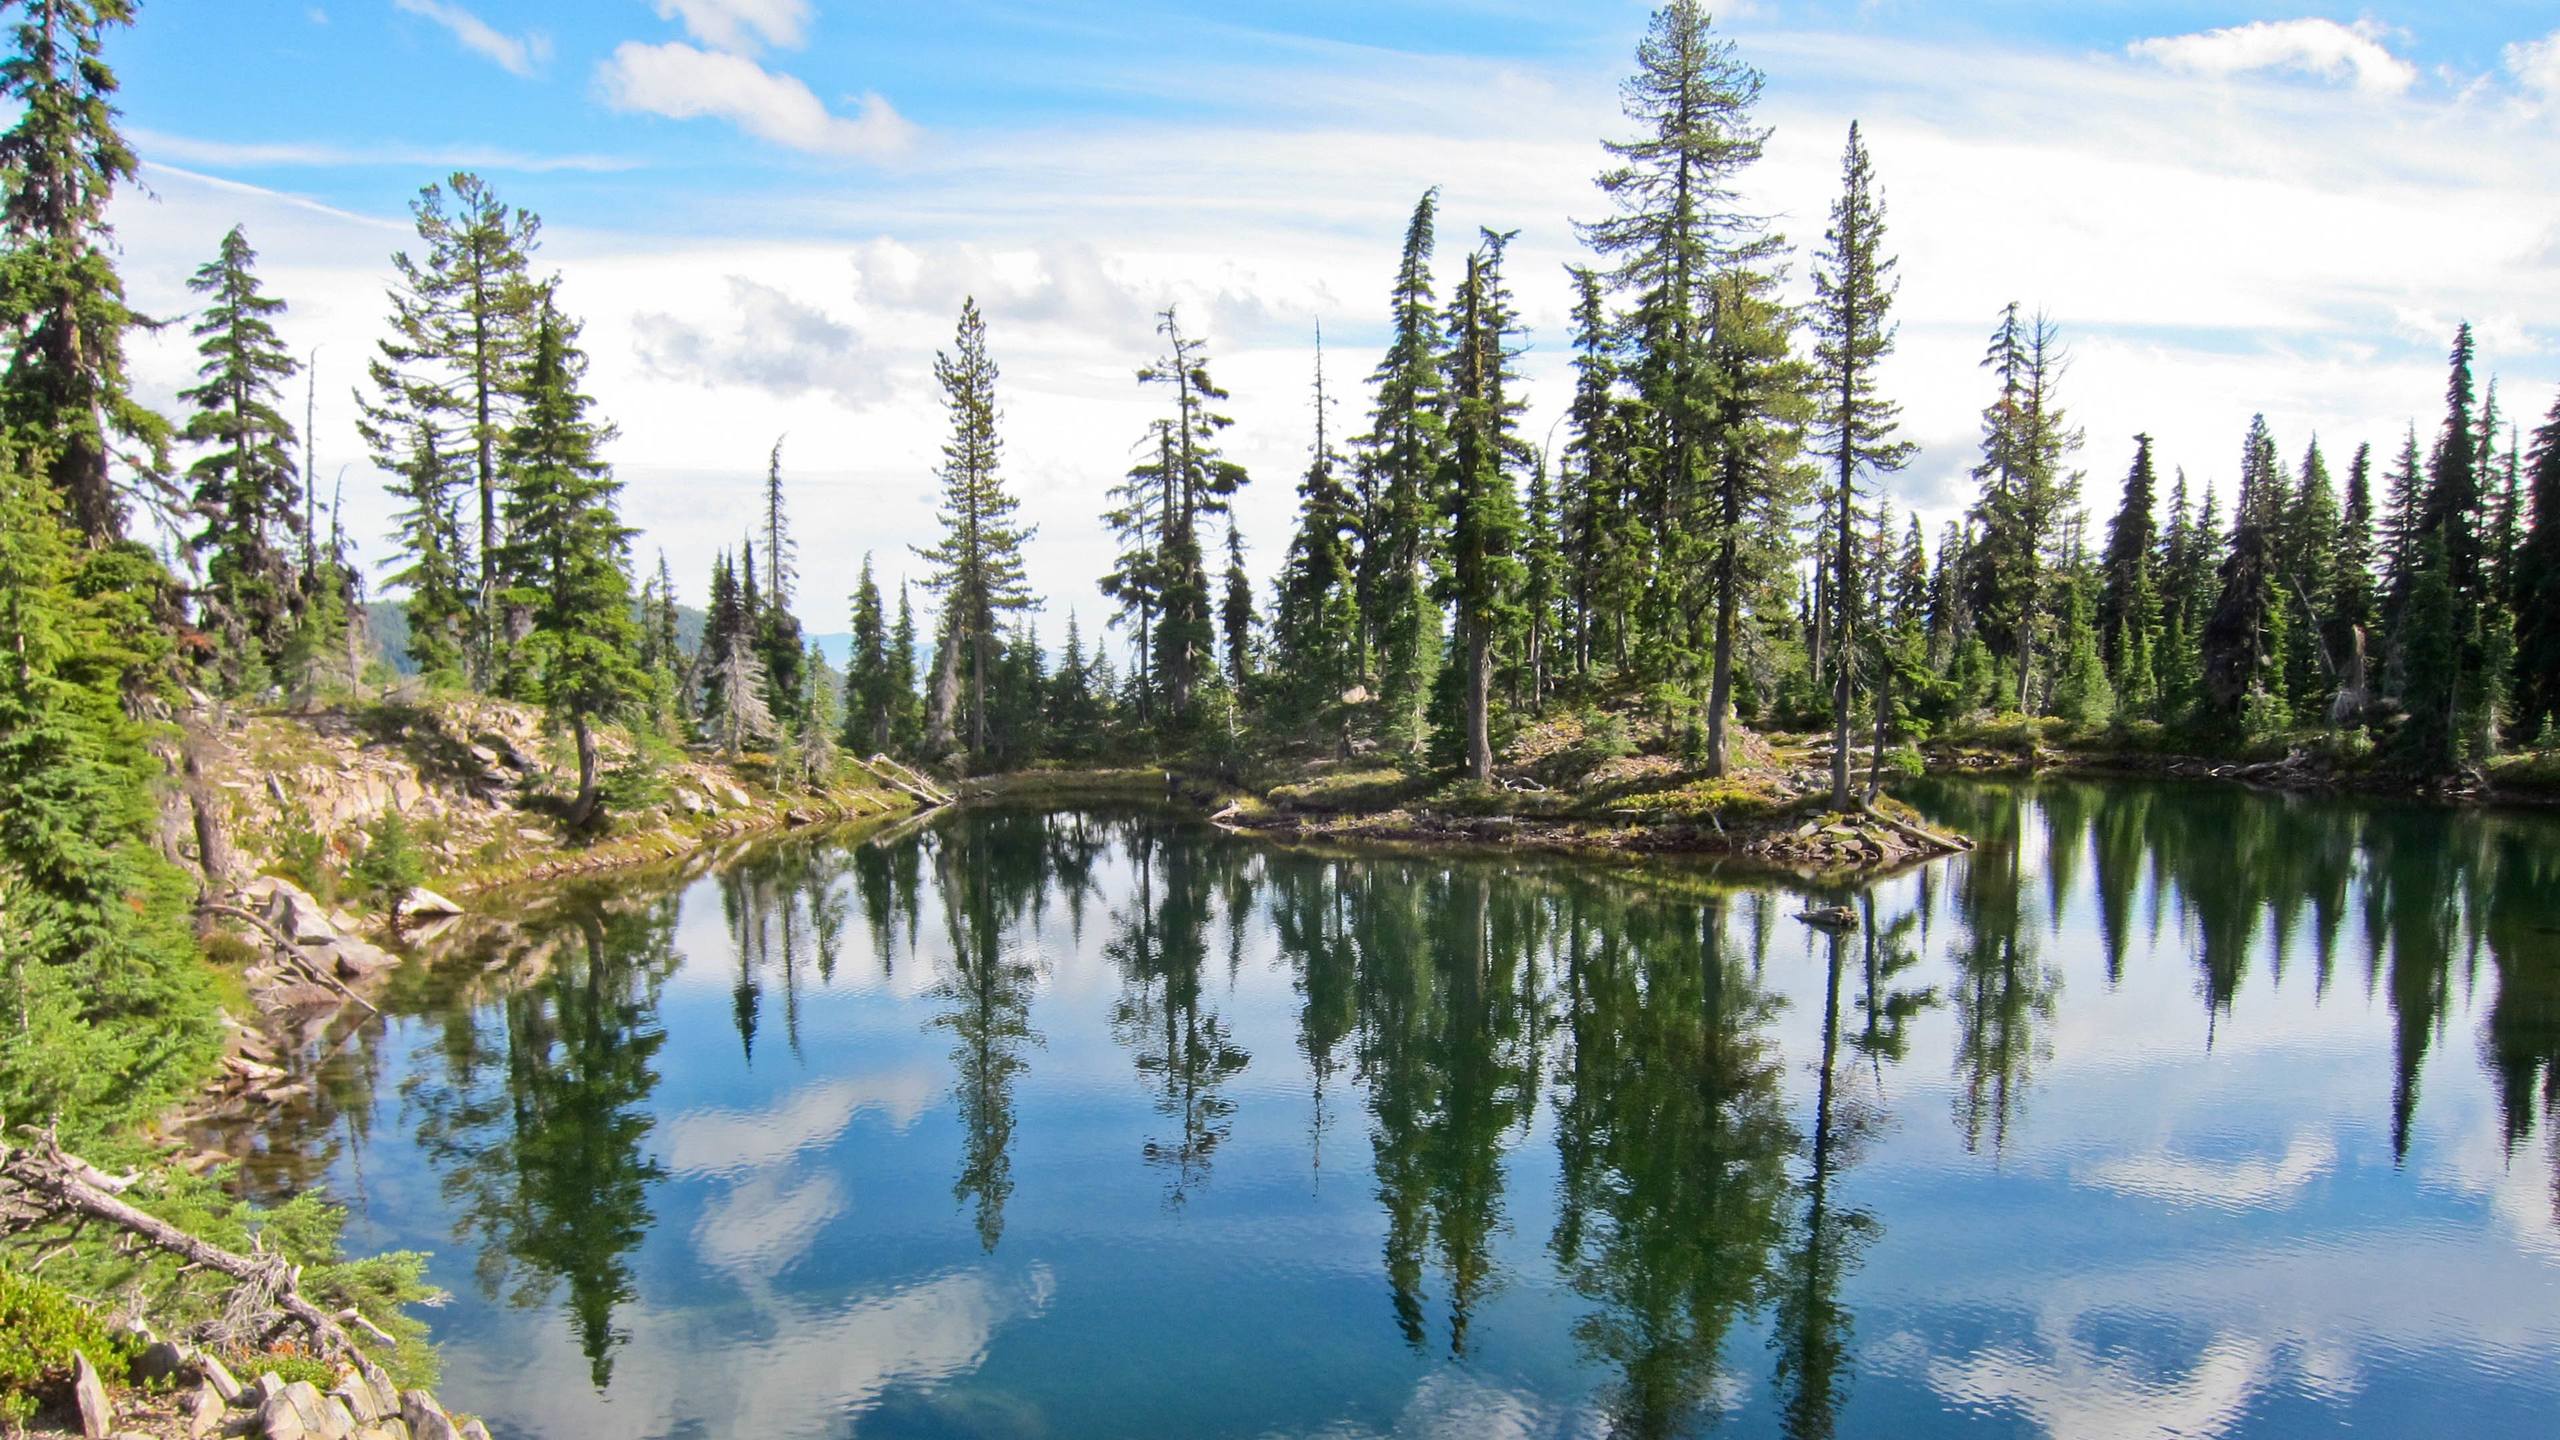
{"x": 2168, "y": 1110}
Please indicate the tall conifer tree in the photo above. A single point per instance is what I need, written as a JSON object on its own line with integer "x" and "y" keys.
{"x": 248, "y": 492}
{"x": 977, "y": 565}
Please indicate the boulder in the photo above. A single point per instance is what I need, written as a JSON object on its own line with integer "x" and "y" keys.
{"x": 474, "y": 1430}
{"x": 425, "y": 1418}
{"x": 356, "y": 959}
{"x": 205, "y": 1411}
{"x": 89, "y": 1397}
{"x": 423, "y": 902}
{"x": 357, "y": 1394}
{"x": 163, "y": 1359}
{"x": 299, "y": 997}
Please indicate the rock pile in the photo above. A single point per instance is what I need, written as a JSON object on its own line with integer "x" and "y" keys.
{"x": 210, "y": 1402}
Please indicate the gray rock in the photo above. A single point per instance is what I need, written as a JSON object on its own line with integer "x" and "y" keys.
{"x": 162, "y": 1361}
{"x": 266, "y": 1387}
{"x": 427, "y": 1420}
{"x": 89, "y": 1394}
{"x": 279, "y": 1419}
{"x": 474, "y": 1430}
{"x": 336, "y": 1421}
{"x": 205, "y": 1412}
{"x": 357, "y": 959}
{"x": 356, "y": 1393}
{"x": 423, "y": 902}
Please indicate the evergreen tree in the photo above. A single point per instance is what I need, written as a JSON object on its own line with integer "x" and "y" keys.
{"x": 906, "y": 725}
{"x": 2430, "y": 662}
{"x": 566, "y": 559}
{"x": 2351, "y": 611}
{"x": 1195, "y": 486}
{"x": 1853, "y": 424}
{"x": 1138, "y": 516}
{"x": 2027, "y": 495}
{"x": 1602, "y": 525}
{"x": 978, "y": 562}
{"x": 1736, "y": 526}
{"x": 2082, "y": 693}
{"x": 1399, "y": 464}
{"x": 2126, "y": 584}
{"x": 60, "y": 294}
{"x": 1542, "y": 584}
{"x": 463, "y": 317}
{"x": 871, "y": 692}
{"x": 1317, "y": 628}
{"x": 2405, "y": 497}
{"x": 2310, "y": 586}
{"x": 111, "y": 1017}
{"x": 434, "y": 555}
{"x": 1073, "y": 715}
{"x": 778, "y": 639}
{"x": 1235, "y": 612}
{"x": 247, "y": 491}
{"x": 1483, "y": 507}
{"x": 2537, "y": 588}
{"x": 2243, "y": 640}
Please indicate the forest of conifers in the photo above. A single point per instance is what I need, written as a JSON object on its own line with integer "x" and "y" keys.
{"x": 1709, "y": 536}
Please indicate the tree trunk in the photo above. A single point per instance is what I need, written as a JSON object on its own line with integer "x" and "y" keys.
{"x": 583, "y": 809}
{"x": 1720, "y": 684}
{"x": 1479, "y": 700}
{"x": 1884, "y": 720}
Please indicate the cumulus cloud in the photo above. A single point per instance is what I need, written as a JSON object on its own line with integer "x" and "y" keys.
{"x": 2536, "y": 65}
{"x": 685, "y": 82}
{"x": 2315, "y": 47}
{"x": 771, "y": 342}
{"x": 516, "y": 54}
{"x": 740, "y": 25}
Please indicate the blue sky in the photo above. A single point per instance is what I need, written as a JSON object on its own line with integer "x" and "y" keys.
{"x": 767, "y": 211}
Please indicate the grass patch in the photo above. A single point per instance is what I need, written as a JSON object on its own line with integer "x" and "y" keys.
{"x": 2536, "y": 772}
{"x": 1375, "y": 787}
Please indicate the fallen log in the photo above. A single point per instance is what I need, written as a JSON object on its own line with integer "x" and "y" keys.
{"x": 1943, "y": 844}
{"x": 291, "y": 952}
{"x": 40, "y": 1183}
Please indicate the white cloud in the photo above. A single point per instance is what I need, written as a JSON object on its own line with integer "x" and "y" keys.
{"x": 516, "y": 54}
{"x": 683, "y": 82}
{"x": 765, "y": 339}
{"x": 2316, "y": 47}
{"x": 2536, "y": 65}
{"x": 741, "y": 25}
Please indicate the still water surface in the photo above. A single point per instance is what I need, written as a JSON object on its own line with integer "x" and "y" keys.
{"x": 2168, "y": 1111}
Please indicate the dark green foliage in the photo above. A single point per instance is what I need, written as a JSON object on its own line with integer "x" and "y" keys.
{"x": 567, "y": 556}
{"x": 1399, "y": 461}
{"x": 1480, "y": 501}
{"x": 434, "y": 560}
{"x": 977, "y": 565}
{"x": 248, "y": 493}
{"x": 61, "y": 299}
{"x": 1193, "y": 482}
{"x": 390, "y": 866}
{"x": 2537, "y": 587}
{"x": 1317, "y": 627}
{"x": 778, "y": 638}
{"x": 114, "y": 1014}
{"x": 2127, "y": 587}
{"x": 464, "y": 320}
{"x": 2243, "y": 640}
{"x": 40, "y": 1327}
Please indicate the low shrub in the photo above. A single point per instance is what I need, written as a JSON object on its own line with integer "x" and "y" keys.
{"x": 39, "y": 1328}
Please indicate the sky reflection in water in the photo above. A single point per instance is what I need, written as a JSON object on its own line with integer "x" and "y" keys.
{"x": 2169, "y": 1111}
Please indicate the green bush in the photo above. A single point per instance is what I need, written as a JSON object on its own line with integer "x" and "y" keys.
{"x": 39, "y": 1328}
{"x": 390, "y": 866}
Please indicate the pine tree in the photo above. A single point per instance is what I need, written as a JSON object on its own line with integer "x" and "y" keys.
{"x": 1197, "y": 484}
{"x": 1399, "y": 462}
{"x": 247, "y": 490}
{"x": 778, "y": 639}
{"x": 2537, "y": 588}
{"x": 2351, "y": 613}
{"x": 2026, "y": 492}
{"x": 60, "y": 294}
{"x": 2082, "y": 694}
{"x": 1235, "y": 612}
{"x": 111, "y": 1017}
{"x": 2126, "y": 581}
{"x": 1483, "y": 507}
{"x": 1543, "y": 584}
{"x": 1602, "y": 526}
{"x": 434, "y": 557}
{"x": 565, "y": 563}
{"x": 463, "y": 317}
{"x": 871, "y": 692}
{"x": 1138, "y": 515}
{"x": 2310, "y": 586}
{"x": 1317, "y": 628}
{"x": 906, "y": 725}
{"x": 978, "y": 562}
{"x": 1853, "y": 424}
{"x": 2243, "y": 641}
{"x": 1073, "y": 714}
{"x": 1736, "y": 526}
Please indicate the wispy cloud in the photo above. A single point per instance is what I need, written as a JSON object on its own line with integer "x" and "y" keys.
{"x": 318, "y": 155}
{"x": 741, "y": 25}
{"x": 684, "y": 82}
{"x": 2536, "y": 65}
{"x": 2313, "y": 47}
{"x": 768, "y": 340}
{"x": 516, "y": 54}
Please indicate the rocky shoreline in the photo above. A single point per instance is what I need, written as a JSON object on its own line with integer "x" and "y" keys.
{"x": 182, "y": 1393}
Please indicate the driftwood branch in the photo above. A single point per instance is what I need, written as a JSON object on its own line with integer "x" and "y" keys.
{"x": 291, "y": 952}
{"x": 1944, "y": 844}
{"x": 40, "y": 1182}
